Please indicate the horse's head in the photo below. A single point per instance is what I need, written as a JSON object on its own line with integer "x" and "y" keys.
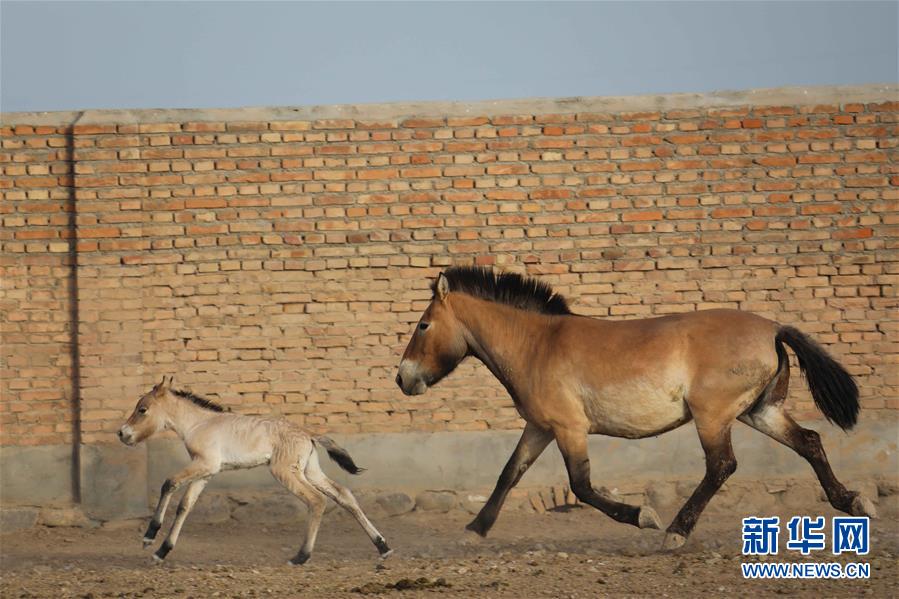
{"x": 437, "y": 345}
{"x": 149, "y": 415}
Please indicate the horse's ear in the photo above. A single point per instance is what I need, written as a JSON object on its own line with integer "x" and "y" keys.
{"x": 163, "y": 386}
{"x": 441, "y": 289}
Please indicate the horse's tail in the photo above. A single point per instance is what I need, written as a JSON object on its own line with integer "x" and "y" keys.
{"x": 833, "y": 389}
{"x": 338, "y": 454}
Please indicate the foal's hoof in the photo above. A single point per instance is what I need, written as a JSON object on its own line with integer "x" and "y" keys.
{"x": 648, "y": 518}
{"x": 862, "y": 506}
{"x": 673, "y": 541}
{"x": 147, "y": 542}
{"x": 163, "y": 550}
{"x": 152, "y": 529}
{"x": 384, "y": 550}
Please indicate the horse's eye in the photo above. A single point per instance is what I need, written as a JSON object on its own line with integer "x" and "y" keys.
{"x": 423, "y": 326}
{"x": 142, "y": 410}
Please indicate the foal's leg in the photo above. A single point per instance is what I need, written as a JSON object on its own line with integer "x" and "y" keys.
{"x": 532, "y": 443}
{"x": 294, "y": 480}
{"x": 777, "y": 424}
{"x": 194, "y": 470}
{"x": 720, "y": 463}
{"x": 344, "y": 499}
{"x": 573, "y": 445}
{"x": 187, "y": 503}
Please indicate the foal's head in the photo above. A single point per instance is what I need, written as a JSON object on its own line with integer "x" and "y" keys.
{"x": 437, "y": 345}
{"x": 148, "y": 416}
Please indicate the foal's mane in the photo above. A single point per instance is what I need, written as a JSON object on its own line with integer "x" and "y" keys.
{"x": 197, "y": 400}
{"x": 512, "y": 289}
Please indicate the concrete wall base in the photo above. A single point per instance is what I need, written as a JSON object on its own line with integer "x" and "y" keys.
{"x": 472, "y": 460}
{"x": 123, "y": 482}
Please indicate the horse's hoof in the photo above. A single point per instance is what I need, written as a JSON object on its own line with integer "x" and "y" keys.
{"x": 299, "y": 559}
{"x": 673, "y": 541}
{"x": 147, "y": 542}
{"x": 382, "y": 546}
{"x": 157, "y": 560}
{"x": 648, "y": 518}
{"x": 386, "y": 554}
{"x": 862, "y": 506}
{"x": 476, "y": 528}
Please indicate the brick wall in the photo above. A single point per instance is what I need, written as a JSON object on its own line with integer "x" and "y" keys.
{"x": 36, "y": 287}
{"x": 276, "y": 260}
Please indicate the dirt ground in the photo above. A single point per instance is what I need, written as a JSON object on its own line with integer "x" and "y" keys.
{"x": 568, "y": 552}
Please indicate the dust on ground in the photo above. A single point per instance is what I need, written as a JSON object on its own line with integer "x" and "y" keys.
{"x": 569, "y": 553}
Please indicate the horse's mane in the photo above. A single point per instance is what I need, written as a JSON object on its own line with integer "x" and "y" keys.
{"x": 200, "y": 401}
{"x": 512, "y": 289}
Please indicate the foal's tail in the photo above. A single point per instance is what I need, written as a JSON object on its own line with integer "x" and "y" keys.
{"x": 338, "y": 454}
{"x": 832, "y": 387}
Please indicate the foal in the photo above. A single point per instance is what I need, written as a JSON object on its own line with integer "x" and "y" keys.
{"x": 217, "y": 440}
{"x": 571, "y": 376}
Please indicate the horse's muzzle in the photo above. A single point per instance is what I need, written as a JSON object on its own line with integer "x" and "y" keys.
{"x": 416, "y": 389}
{"x": 126, "y": 435}
{"x": 408, "y": 379}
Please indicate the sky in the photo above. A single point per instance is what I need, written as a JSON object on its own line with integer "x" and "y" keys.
{"x": 77, "y": 55}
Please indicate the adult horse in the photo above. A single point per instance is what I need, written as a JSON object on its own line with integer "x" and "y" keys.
{"x": 571, "y": 376}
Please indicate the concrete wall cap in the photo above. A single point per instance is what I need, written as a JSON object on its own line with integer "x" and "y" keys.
{"x": 831, "y": 94}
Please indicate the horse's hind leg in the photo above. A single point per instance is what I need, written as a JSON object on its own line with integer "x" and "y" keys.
{"x": 289, "y": 474}
{"x": 344, "y": 499}
{"x": 771, "y": 419}
{"x": 720, "y": 463}
{"x": 573, "y": 445}
{"x": 532, "y": 443}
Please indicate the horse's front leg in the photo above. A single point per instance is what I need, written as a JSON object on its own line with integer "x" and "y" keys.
{"x": 532, "y": 443}
{"x": 194, "y": 470}
{"x": 187, "y": 502}
{"x": 573, "y": 445}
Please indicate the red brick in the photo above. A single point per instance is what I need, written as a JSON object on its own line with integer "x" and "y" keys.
{"x": 776, "y": 160}
{"x": 860, "y": 233}
{"x": 87, "y": 129}
{"x": 686, "y": 138}
{"x": 736, "y": 212}
{"x": 421, "y": 123}
{"x": 98, "y": 232}
{"x": 648, "y": 215}
{"x": 551, "y": 194}
{"x": 420, "y": 172}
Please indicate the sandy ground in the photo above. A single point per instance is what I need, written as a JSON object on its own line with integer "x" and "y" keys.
{"x": 569, "y": 552}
